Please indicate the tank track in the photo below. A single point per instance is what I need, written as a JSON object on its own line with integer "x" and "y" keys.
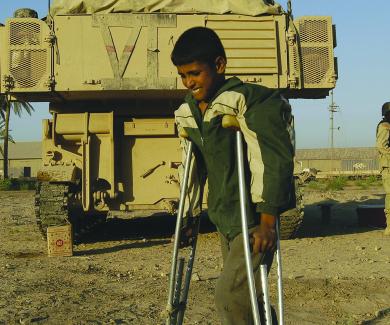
{"x": 56, "y": 205}
{"x": 291, "y": 220}
{"x": 52, "y": 205}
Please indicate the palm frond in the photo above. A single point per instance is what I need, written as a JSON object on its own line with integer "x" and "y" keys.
{"x": 2, "y": 132}
{"x": 2, "y": 136}
{"x": 19, "y": 107}
{"x": 3, "y": 103}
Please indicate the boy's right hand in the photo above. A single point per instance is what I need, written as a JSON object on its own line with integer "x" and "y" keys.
{"x": 264, "y": 236}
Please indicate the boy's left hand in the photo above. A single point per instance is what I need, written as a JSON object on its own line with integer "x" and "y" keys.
{"x": 264, "y": 236}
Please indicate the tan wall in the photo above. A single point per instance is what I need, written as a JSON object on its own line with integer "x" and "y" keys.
{"x": 337, "y": 164}
{"x": 321, "y": 164}
{"x": 16, "y": 166}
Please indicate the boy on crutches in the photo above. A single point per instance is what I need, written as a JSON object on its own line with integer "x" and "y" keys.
{"x": 263, "y": 117}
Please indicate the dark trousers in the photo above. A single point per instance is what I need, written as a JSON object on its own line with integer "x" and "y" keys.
{"x": 232, "y": 293}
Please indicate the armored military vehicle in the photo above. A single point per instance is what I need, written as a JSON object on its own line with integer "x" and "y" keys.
{"x": 111, "y": 144}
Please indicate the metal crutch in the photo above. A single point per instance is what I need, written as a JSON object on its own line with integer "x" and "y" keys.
{"x": 177, "y": 298}
{"x": 184, "y": 294}
{"x": 264, "y": 282}
{"x": 280, "y": 279}
{"x": 229, "y": 121}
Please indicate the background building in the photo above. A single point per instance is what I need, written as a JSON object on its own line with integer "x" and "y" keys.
{"x": 24, "y": 159}
{"x": 339, "y": 159}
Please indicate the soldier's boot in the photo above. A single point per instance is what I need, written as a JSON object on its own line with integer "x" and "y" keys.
{"x": 387, "y": 230}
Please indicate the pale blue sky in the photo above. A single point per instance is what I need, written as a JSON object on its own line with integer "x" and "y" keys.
{"x": 363, "y": 49}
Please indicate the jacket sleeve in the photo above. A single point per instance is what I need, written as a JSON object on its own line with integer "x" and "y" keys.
{"x": 194, "y": 193}
{"x": 197, "y": 178}
{"x": 264, "y": 121}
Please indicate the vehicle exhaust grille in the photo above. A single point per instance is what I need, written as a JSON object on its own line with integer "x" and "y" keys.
{"x": 313, "y": 31}
{"x": 28, "y": 54}
{"x": 315, "y": 64}
{"x": 316, "y": 49}
{"x": 24, "y": 33}
{"x": 28, "y": 67}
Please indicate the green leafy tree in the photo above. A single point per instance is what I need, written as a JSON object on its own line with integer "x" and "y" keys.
{"x": 6, "y": 107}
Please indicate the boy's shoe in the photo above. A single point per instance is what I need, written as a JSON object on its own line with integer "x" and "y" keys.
{"x": 387, "y": 231}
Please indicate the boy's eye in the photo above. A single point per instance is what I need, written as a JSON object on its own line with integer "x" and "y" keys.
{"x": 189, "y": 74}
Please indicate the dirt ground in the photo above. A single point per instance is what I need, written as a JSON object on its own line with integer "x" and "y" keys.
{"x": 333, "y": 274}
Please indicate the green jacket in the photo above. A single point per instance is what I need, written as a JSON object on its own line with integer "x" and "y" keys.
{"x": 263, "y": 116}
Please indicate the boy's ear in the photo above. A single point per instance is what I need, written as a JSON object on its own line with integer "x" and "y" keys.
{"x": 220, "y": 64}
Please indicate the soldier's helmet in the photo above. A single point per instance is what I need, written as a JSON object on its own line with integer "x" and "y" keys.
{"x": 385, "y": 108}
{"x": 25, "y": 13}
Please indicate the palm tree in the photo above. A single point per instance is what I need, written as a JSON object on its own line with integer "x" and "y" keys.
{"x": 2, "y": 133}
{"x": 5, "y": 111}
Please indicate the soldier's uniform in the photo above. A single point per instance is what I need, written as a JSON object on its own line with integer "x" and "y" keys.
{"x": 383, "y": 145}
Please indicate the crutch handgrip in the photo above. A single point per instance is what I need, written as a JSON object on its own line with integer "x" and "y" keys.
{"x": 230, "y": 122}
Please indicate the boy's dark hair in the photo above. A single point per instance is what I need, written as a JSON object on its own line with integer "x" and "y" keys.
{"x": 197, "y": 44}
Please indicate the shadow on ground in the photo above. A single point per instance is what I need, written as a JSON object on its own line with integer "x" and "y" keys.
{"x": 343, "y": 218}
{"x": 382, "y": 318}
{"x": 159, "y": 226}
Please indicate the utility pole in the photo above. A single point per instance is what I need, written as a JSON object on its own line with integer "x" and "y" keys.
{"x": 333, "y": 108}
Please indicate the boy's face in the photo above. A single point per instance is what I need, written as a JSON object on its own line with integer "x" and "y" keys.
{"x": 202, "y": 79}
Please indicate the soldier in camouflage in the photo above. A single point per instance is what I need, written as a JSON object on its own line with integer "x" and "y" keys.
{"x": 383, "y": 145}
